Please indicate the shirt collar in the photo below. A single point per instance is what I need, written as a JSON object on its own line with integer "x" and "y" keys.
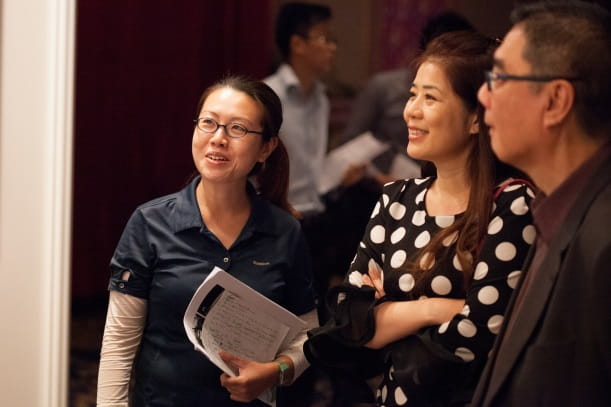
{"x": 291, "y": 81}
{"x": 187, "y": 214}
{"x": 550, "y": 211}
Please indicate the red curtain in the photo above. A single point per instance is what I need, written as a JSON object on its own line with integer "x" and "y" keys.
{"x": 140, "y": 68}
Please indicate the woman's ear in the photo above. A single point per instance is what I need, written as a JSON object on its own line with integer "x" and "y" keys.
{"x": 268, "y": 148}
{"x": 473, "y": 124}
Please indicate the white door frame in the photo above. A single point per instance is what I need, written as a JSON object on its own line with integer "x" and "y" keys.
{"x": 36, "y": 115}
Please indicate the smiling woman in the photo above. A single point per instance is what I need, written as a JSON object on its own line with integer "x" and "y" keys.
{"x": 171, "y": 244}
{"x": 437, "y": 263}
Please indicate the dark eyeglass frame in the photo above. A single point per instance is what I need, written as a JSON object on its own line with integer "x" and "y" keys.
{"x": 226, "y": 129}
{"x": 491, "y": 77}
{"x": 322, "y": 38}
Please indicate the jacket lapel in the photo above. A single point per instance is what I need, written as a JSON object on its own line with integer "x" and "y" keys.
{"x": 534, "y": 302}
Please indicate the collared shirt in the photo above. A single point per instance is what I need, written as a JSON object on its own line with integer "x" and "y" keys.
{"x": 168, "y": 252}
{"x": 305, "y": 133}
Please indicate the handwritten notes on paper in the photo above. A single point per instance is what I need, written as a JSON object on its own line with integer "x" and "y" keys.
{"x": 226, "y": 314}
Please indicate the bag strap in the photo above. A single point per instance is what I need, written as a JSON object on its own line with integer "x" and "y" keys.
{"x": 497, "y": 192}
{"x": 508, "y": 182}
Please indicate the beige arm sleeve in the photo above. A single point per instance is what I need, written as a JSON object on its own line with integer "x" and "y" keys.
{"x": 294, "y": 350}
{"x": 124, "y": 325}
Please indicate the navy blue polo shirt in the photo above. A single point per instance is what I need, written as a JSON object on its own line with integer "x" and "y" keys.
{"x": 168, "y": 251}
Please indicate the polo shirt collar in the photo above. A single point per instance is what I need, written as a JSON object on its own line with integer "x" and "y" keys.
{"x": 187, "y": 215}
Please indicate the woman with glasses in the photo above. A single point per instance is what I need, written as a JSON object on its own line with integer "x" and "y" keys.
{"x": 425, "y": 295}
{"x": 171, "y": 244}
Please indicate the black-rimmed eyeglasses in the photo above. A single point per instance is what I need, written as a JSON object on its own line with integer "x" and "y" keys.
{"x": 492, "y": 77}
{"x": 233, "y": 130}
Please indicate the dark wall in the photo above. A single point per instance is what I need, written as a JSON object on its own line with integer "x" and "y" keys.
{"x": 140, "y": 68}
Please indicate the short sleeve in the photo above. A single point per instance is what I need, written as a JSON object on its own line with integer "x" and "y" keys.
{"x": 134, "y": 255}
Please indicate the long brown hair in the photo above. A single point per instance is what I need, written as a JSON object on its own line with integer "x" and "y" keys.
{"x": 464, "y": 56}
{"x": 272, "y": 176}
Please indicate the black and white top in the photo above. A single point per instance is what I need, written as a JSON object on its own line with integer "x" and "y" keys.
{"x": 456, "y": 351}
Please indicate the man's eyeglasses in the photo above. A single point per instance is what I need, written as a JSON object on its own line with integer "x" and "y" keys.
{"x": 324, "y": 39}
{"x": 233, "y": 130}
{"x": 492, "y": 77}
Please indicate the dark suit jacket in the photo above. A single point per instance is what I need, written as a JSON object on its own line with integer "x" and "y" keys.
{"x": 559, "y": 351}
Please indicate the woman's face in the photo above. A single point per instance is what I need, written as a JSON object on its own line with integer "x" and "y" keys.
{"x": 438, "y": 122}
{"x": 220, "y": 158}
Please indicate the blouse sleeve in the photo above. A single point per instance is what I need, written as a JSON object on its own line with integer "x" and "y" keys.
{"x": 353, "y": 303}
{"x": 468, "y": 337}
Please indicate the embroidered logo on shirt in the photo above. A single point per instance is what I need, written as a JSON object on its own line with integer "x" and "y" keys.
{"x": 260, "y": 263}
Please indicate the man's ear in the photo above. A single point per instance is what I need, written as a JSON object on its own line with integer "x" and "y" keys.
{"x": 560, "y": 98}
{"x": 297, "y": 44}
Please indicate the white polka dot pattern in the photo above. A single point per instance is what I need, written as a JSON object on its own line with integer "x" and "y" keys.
{"x": 529, "y": 233}
{"x": 400, "y": 397}
{"x": 481, "y": 271}
{"x": 494, "y": 324}
{"x": 488, "y": 295}
{"x": 400, "y": 230}
{"x": 397, "y": 210}
{"x": 513, "y": 278}
{"x": 356, "y": 278}
{"x": 465, "y": 354}
{"x": 423, "y": 239}
{"x": 385, "y": 200}
{"x": 427, "y": 261}
{"x": 505, "y": 251}
{"x": 377, "y": 234}
{"x": 450, "y": 239}
{"x": 495, "y": 225}
{"x": 420, "y": 196}
{"x": 467, "y": 328}
{"x": 376, "y": 210}
{"x": 444, "y": 221}
{"x": 406, "y": 282}
{"x": 398, "y": 259}
{"x": 456, "y": 263}
{"x": 519, "y": 206}
{"x": 419, "y": 218}
{"x": 397, "y": 235}
{"x": 441, "y": 285}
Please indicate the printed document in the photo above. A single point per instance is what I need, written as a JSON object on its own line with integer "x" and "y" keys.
{"x": 226, "y": 314}
{"x": 360, "y": 150}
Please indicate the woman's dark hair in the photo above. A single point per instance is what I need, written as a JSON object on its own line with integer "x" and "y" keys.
{"x": 464, "y": 56}
{"x": 272, "y": 176}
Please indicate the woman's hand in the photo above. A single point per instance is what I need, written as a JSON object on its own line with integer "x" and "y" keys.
{"x": 374, "y": 278}
{"x": 253, "y": 378}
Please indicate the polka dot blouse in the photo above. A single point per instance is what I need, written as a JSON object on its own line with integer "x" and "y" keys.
{"x": 398, "y": 230}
